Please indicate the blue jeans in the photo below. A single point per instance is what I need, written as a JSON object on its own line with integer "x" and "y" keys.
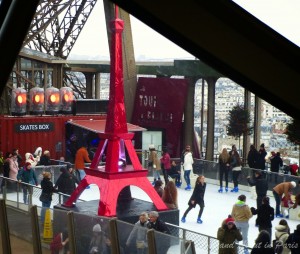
{"x": 81, "y": 174}
{"x": 25, "y": 190}
{"x": 187, "y": 176}
{"x": 278, "y": 201}
{"x": 243, "y": 227}
{"x": 156, "y": 174}
{"x": 45, "y": 206}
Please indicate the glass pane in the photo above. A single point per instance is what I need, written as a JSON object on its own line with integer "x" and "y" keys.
{"x": 92, "y": 234}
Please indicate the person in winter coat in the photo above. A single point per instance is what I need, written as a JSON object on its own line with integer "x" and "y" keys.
{"x": 158, "y": 187}
{"x": 196, "y": 198}
{"x": 276, "y": 163}
{"x": 241, "y": 214}
{"x": 187, "y": 163}
{"x": 261, "y": 186}
{"x": 175, "y": 172}
{"x": 228, "y": 234}
{"x": 297, "y": 199}
{"x": 170, "y": 195}
{"x": 166, "y": 164}
{"x": 6, "y": 166}
{"x": 46, "y": 196}
{"x": 157, "y": 224}
{"x": 261, "y": 161}
{"x": 137, "y": 239}
{"x": 293, "y": 241}
{"x": 66, "y": 182}
{"x": 278, "y": 191}
{"x": 33, "y": 161}
{"x": 13, "y": 166}
{"x": 154, "y": 163}
{"x": 60, "y": 243}
{"x": 262, "y": 244}
{"x": 27, "y": 175}
{"x": 252, "y": 157}
{"x": 20, "y": 159}
{"x": 281, "y": 234}
{"x": 99, "y": 242}
{"x": 224, "y": 160}
{"x": 265, "y": 216}
{"x": 45, "y": 159}
{"x": 236, "y": 165}
{"x": 13, "y": 172}
{"x": 286, "y": 204}
{"x": 81, "y": 157}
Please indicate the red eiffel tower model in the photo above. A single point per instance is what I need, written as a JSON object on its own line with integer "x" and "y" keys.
{"x": 111, "y": 179}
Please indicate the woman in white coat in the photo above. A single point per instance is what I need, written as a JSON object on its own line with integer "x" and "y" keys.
{"x": 187, "y": 163}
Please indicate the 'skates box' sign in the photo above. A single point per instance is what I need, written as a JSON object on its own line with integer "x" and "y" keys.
{"x": 35, "y": 127}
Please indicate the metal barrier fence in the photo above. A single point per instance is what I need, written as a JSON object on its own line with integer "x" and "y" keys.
{"x": 211, "y": 170}
{"x": 83, "y": 230}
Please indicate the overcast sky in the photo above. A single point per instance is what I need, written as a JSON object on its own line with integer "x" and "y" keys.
{"x": 281, "y": 15}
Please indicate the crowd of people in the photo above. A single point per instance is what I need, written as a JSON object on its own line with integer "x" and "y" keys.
{"x": 233, "y": 229}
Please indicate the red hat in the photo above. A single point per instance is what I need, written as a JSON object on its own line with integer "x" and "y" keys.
{"x": 229, "y": 220}
{"x": 27, "y": 164}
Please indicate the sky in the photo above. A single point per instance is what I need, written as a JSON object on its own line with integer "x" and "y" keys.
{"x": 282, "y": 15}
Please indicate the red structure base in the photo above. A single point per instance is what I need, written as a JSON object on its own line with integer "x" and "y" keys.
{"x": 111, "y": 184}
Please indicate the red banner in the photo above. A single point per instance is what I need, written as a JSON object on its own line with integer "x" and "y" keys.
{"x": 159, "y": 104}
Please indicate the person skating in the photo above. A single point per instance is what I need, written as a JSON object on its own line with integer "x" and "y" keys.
{"x": 224, "y": 168}
{"x": 187, "y": 163}
{"x": 241, "y": 214}
{"x": 196, "y": 198}
{"x": 265, "y": 216}
{"x": 278, "y": 191}
{"x": 235, "y": 163}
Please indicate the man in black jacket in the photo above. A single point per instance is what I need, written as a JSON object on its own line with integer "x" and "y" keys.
{"x": 159, "y": 225}
{"x": 276, "y": 163}
{"x": 265, "y": 215}
{"x": 261, "y": 186}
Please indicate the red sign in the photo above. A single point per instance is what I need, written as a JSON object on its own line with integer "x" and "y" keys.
{"x": 159, "y": 104}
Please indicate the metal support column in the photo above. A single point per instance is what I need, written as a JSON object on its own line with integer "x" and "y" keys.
{"x": 209, "y": 155}
{"x": 6, "y": 247}
{"x": 36, "y": 237}
{"x": 257, "y": 122}
{"x": 246, "y": 138}
{"x": 97, "y": 85}
{"x": 89, "y": 84}
{"x": 189, "y": 113}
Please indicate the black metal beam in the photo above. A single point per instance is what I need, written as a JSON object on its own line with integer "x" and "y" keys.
{"x": 232, "y": 41}
{"x": 13, "y": 31}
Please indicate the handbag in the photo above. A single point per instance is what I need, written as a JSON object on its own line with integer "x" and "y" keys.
{"x": 154, "y": 165}
{"x": 44, "y": 197}
{"x": 278, "y": 246}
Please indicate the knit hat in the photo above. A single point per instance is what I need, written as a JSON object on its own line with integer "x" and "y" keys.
{"x": 97, "y": 228}
{"x": 27, "y": 164}
{"x": 293, "y": 184}
{"x": 229, "y": 220}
